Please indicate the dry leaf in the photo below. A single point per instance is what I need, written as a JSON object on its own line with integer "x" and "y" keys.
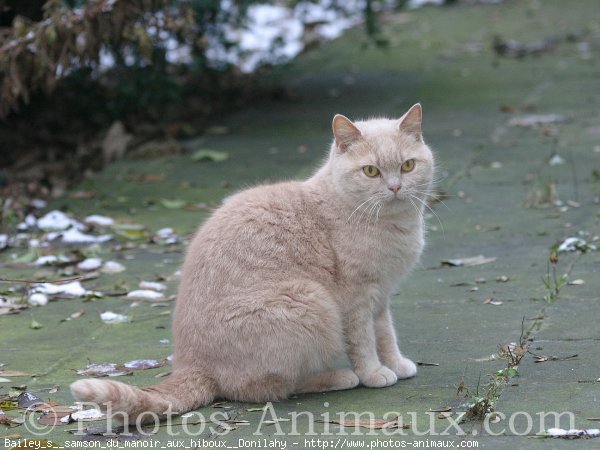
{"x": 470, "y": 261}
{"x": 14, "y": 373}
{"x": 373, "y": 424}
{"x": 441, "y": 409}
{"x": 422, "y": 363}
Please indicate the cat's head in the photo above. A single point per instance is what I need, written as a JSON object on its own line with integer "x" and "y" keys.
{"x": 382, "y": 164}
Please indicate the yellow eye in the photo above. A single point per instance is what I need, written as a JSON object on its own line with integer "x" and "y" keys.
{"x": 408, "y": 165}
{"x": 371, "y": 171}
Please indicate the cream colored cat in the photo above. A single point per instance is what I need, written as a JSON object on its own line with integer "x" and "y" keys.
{"x": 284, "y": 279}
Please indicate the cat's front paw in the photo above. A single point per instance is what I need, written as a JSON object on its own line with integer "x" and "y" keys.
{"x": 403, "y": 368}
{"x": 381, "y": 377}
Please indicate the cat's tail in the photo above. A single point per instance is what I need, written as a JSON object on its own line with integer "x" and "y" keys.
{"x": 181, "y": 392}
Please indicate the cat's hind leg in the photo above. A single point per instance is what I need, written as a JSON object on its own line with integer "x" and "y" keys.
{"x": 331, "y": 380}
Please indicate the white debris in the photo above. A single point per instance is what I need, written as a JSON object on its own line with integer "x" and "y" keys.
{"x": 29, "y": 222}
{"x": 575, "y": 243}
{"x": 102, "y": 221}
{"x": 86, "y": 414}
{"x": 3, "y": 241}
{"x": 54, "y": 220}
{"x": 153, "y": 285}
{"x": 37, "y": 299}
{"x": 74, "y": 236}
{"x": 164, "y": 341}
{"x": 49, "y": 259}
{"x": 89, "y": 264}
{"x": 145, "y": 295}
{"x": 165, "y": 233}
{"x": 111, "y": 267}
{"x": 35, "y": 243}
{"x": 38, "y": 203}
{"x": 111, "y": 317}
{"x": 414, "y": 4}
{"x": 559, "y": 432}
{"x": 140, "y": 364}
{"x": 72, "y": 289}
{"x": 536, "y": 120}
{"x": 556, "y": 160}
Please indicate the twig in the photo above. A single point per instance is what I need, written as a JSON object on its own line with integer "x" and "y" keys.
{"x": 62, "y": 280}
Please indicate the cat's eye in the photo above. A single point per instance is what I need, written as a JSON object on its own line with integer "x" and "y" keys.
{"x": 408, "y": 165}
{"x": 371, "y": 171}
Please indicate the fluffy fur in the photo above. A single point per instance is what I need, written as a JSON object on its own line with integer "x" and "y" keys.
{"x": 284, "y": 279}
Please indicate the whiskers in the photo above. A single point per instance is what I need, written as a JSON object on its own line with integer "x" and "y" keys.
{"x": 420, "y": 205}
{"x": 369, "y": 209}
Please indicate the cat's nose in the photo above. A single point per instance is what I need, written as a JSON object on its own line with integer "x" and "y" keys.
{"x": 394, "y": 188}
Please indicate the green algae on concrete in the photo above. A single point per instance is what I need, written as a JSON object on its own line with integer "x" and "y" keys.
{"x": 442, "y": 58}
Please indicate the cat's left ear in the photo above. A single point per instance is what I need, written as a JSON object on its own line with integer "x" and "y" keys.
{"x": 410, "y": 123}
{"x": 345, "y": 132}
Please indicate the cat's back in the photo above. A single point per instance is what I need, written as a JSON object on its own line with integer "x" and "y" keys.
{"x": 257, "y": 235}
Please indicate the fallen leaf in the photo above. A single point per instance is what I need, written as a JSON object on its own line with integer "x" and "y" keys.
{"x": 536, "y": 120}
{"x": 87, "y": 415}
{"x": 491, "y": 301}
{"x": 103, "y": 370}
{"x": 35, "y": 325}
{"x": 173, "y": 203}
{"x": 441, "y": 409}
{"x": 14, "y": 373}
{"x": 373, "y": 424}
{"x": 544, "y": 358}
{"x": 210, "y": 155}
{"x": 445, "y": 414}
{"x": 142, "y": 364}
{"x": 112, "y": 318}
{"x": 470, "y": 261}
{"x": 572, "y": 434}
{"x": 26, "y": 400}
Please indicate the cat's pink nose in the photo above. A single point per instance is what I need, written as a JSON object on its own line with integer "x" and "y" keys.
{"x": 394, "y": 188}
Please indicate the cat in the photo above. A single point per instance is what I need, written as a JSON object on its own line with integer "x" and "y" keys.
{"x": 284, "y": 279}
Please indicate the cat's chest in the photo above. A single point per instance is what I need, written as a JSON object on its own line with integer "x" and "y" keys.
{"x": 381, "y": 256}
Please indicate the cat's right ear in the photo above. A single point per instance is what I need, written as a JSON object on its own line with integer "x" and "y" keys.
{"x": 345, "y": 132}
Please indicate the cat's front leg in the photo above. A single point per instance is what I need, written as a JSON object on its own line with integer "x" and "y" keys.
{"x": 362, "y": 350}
{"x": 387, "y": 347}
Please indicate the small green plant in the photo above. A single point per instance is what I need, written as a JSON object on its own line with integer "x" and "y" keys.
{"x": 552, "y": 282}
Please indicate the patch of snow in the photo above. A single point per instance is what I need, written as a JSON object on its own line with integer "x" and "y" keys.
{"x": 38, "y": 203}
{"x": 90, "y": 264}
{"x": 72, "y": 289}
{"x": 97, "y": 219}
{"x": 145, "y": 295}
{"x": 49, "y": 259}
{"x": 37, "y": 299}
{"x": 74, "y": 236}
{"x": 86, "y": 414}
{"x": 140, "y": 364}
{"x": 3, "y": 241}
{"x": 111, "y": 317}
{"x": 112, "y": 267}
{"x": 556, "y": 160}
{"x": 574, "y": 243}
{"x": 414, "y": 4}
{"x": 54, "y": 220}
{"x": 165, "y": 233}
{"x": 153, "y": 285}
{"x": 559, "y": 432}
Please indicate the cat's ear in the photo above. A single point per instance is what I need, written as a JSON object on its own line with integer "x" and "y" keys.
{"x": 345, "y": 132}
{"x": 410, "y": 123}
